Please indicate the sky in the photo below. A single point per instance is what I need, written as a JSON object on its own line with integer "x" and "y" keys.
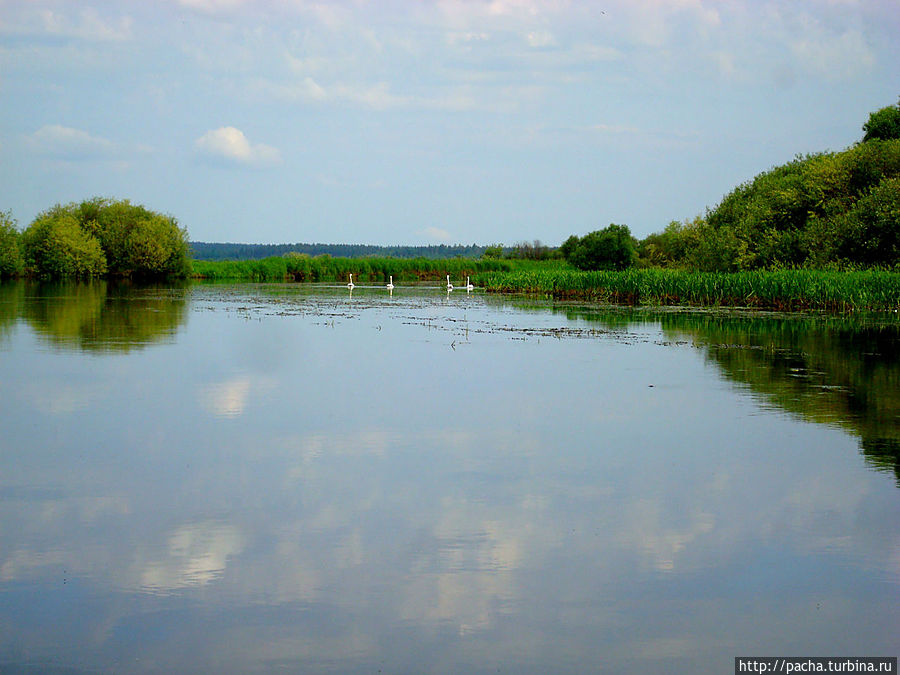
{"x": 427, "y": 121}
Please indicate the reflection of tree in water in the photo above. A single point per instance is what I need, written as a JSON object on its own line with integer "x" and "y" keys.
{"x": 104, "y": 317}
{"x": 828, "y": 369}
{"x": 11, "y": 296}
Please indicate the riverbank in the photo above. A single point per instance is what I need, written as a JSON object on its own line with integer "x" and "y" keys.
{"x": 786, "y": 290}
{"x": 780, "y": 290}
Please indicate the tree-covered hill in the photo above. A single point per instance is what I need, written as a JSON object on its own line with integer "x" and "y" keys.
{"x": 830, "y": 209}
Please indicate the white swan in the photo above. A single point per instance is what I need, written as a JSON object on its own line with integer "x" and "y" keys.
{"x": 469, "y": 287}
{"x": 390, "y": 285}
{"x": 449, "y": 285}
{"x": 350, "y": 285}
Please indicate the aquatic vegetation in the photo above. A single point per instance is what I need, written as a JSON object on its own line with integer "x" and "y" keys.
{"x": 781, "y": 289}
{"x": 300, "y": 267}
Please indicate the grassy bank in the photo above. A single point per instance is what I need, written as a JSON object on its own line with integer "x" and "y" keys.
{"x": 326, "y": 268}
{"x": 782, "y": 290}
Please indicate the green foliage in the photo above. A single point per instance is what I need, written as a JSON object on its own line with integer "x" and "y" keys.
{"x": 10, "y": 255}
{"x": 782, "y": 289}
{"x": 535, "y": 250}
{"x": 494, "y": 252}
{"x": 676, "y": 246}
{"x": 567, "y": 248}
{"x": 871, "y": 229}
{"x": 55, "y": 246}
{"x": 99, "y": 316}
{"x": 825, "y": 210}
{"x": 301, "y": 267}
{"x": 132, "y": 241}
{"x": 612, "y": 248}
{"x": 821, "y": 368}
{"x": 883, "y": 124}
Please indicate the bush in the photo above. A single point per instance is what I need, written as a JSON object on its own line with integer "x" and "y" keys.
{"x": 883, "y": 124}
{"x": 10, "y": 256}
{"x": 612, "y": 248}
{"x": 133, "y": 241}
{"x": 871, "y": 229}
{"x": 55, "y": 246}
{"x": 813, "y": 211}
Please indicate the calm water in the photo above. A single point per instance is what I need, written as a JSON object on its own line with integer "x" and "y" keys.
{"x": 290, "y": 479}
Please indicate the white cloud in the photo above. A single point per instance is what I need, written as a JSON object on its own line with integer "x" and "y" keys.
{"x": 309, "y": 88}
{"x": 232, "y": 145}
{"x": 89, "y": 25}
{"x": 67, "y": 143}
{"x": 227, "y": 399}
{"x": 196, "y": 555}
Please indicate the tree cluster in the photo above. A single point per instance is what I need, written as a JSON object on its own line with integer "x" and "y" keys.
{"x": 834, "y": 209}
{"x": 11, "y": 263}
{"x": 97, "y": 237}
{"x": 526, "y": 250}
{"x": 612, "y": 248}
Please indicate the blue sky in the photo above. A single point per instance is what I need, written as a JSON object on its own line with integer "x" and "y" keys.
{"x": 426, "y": 122}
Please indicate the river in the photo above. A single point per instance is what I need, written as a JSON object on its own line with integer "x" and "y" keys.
{"x": 297, "y": 478}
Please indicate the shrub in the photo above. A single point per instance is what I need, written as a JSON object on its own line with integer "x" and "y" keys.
{"x": 871, "y": 229}
{"x": 883, "y": 124}
{"x": 133, "y": 240}
{"x": 56, "y": 246}
{"x": 10, "y": 255}
{"x": 494, "y": 252}
{"x": 612, "y": 248}
{"x": 815, "y": 210}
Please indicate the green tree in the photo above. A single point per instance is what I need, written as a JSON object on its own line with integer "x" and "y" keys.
{"x": 612, "y": 248}
{"x": 137, "y": 241}
{"x": 56, "y": 246}
{"x": 567, "y": 248}
{"x": 871, "y": 229}
{"x": 804, "y": 213}
{"x": 883, "y": 124}
{"x": 10, "y": 254}
{"x": 672, "y": 246}
{"x": 134, "y": 241}
{"x": 494, "y": 252}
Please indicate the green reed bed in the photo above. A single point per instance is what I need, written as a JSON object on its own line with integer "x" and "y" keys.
{"x": 781, "y": 289}
{"x": 364, "y": 270}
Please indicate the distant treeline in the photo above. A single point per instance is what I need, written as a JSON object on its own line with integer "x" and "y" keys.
{"x": 227, "y": 251}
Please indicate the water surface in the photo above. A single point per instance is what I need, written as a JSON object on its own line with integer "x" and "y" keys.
{"x": 290, "y": 478}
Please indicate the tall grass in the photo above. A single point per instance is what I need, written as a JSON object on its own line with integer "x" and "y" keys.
{"x": 326, "y": 268}
{"x": 781, "y": 289}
